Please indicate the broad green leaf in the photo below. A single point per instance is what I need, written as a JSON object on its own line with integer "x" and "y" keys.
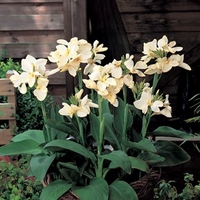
{"x": 35, "y": 135}
{"x": 74, "y": 167}
{"x": 150, "y": 158}
{"x": 120, "y": 159}
{"x": 143, "y": 144}
{"x": 105, "y": 106}
{"x": 170, "y": 132}
{"x": 54, "y": 190}
{"x": 137, "y": 163}
{"x": 173, "y": 154}
{"x": 54, "y": 113}
{"x": 40, "y": 164}
{"x": 121, "y": 190}
{"x": 97, "y": 189}
{"x": 94, "y": 126}
{"x": 64, "y": 127}
{"x": 122, "y": 117}
{"x": 60, "y": 145}
{"x": 21, "y": 147}
{"x": 69, "y": 175}
{"x": 110, "y": 135}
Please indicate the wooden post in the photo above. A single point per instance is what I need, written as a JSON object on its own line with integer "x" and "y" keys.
{"x": 75, "y": 25}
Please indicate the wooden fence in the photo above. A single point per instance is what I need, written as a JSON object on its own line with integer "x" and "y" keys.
{"x": 7, "y": 109}
{"x": 33, "y": 27}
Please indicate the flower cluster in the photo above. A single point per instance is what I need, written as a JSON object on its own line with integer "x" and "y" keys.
{"x": 153, "y": 103}
{"x": 159, "y": 50}
{"x": 34, "y": 74}
{"x": 106, "y": 80}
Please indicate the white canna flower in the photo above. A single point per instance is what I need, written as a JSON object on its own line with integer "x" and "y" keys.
{"x": 80, "y": 107}
{"x": 167, "y": 110}
{"x": 168, "y": 47}
{"x": 41, "y": 89}
{"x": 68, "y": 110}
{"x": 29, "y": 66}
{"x": 146, "y": 101}
{"x": 116, "y": 70}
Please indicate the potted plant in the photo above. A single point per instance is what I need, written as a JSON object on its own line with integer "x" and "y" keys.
{"x": 97, "y": 143}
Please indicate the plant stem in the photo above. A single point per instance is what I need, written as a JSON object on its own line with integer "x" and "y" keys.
{"x": 145, "y": 124}
{"x": 80, "y": 81}
{"x": 124, "y": 89}
{"x": 156, "y": 79}
{"x": 124, "y": 129}
{"x": 80, "y": 127}
{"x": 99, "y": 172}
{"x": 47, "y": 136}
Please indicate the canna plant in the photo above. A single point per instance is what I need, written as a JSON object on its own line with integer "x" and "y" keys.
{"x": 98, "y": 138}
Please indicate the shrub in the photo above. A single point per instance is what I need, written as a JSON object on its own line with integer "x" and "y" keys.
{"x": 15, "y": 184}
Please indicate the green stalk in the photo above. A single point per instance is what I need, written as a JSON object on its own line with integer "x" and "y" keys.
{"x": 80, "y": 81}
{"x": 80, "y": 127}
{"x": 145, "y": 124}
{"x": 99, "y": 172}
{"x": 47, "y": 136}
{"x": 124, "y": 129}
{"x": 124, "y": 93}
{"x": 156, "y": 79}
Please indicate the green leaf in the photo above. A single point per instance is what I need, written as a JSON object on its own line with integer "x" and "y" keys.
{"x": 74, "y": 168}
{"x": 120, "y": 159}
{"x": 60, "y": 145}
{"x": 97, "y": 189}
{"x": 120, "y": 117}
{"x": 170, "y": 132}
{"x": 109, "y": 134}
{"x": 21, "y": 147}
{"x": 150, "y": 158}
{"x": 143, "y": 144}
{"x": 63, "y": 127}
{"x": 54, "y": 190}
{"x": 173, "y": 154}
{"x": 95, "y": 124}
{"x": 35, "y": 135}
{"x": 137, "y": 163}
{"x": 40, "y": 164}
{"x": 122, "y": 190}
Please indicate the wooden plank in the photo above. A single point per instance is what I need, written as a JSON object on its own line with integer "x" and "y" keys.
{"x": 6, "y": 87}
{"x": 58, "y": 78}
{"x": 162, "y": 22}
{"x": 7, "y": 109}
{"x": 193, "y": 55}
{"x": 67, "y": 19}
{"x": 5, "y": 136}
{"x": 79, "y": 19}
{"x": 75, "y": 16}
{"x": 75, "y": 24}
{"x": 30, "y": 9}
{"x": 31, "y": 22}
{"x": 58, "y": 92}
{"x": 31, "y": 37}
{"x": 175, "y": 139}
{"x": 129, "y": 6}
{"x": 22, "y": 50}
{"x": 29, "y": 1}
